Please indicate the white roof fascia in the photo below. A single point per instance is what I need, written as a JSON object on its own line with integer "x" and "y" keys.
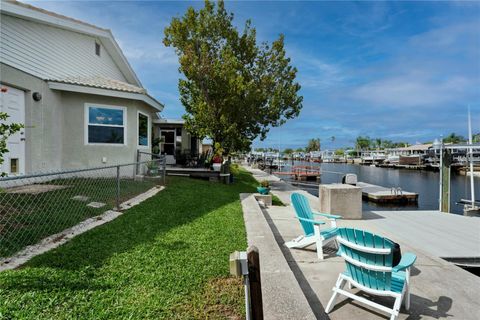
{"x": 106, "y": 92}
{"x": 169, "y": 121}
{"x": 104, "y": 35}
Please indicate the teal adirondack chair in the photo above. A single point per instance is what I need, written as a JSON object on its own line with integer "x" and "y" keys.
{"x": 368, "y": 258}
{"x": 311, "y": 227}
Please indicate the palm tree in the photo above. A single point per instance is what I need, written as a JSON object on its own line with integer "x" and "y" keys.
{"x": 362, "y": 143}
{"x": 313, "y": 145}
{"x": 453, "y": 138}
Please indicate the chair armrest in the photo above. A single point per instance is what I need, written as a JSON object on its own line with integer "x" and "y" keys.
{"x": 311, "y": 221}
{"x": 407, "y": 261}
{"x": 326, "y": 215}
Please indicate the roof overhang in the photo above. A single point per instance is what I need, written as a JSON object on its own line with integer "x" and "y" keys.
{"x": 106, "y": 92}
{"x": 105, "y": 36}
{"x": 169, "y": 121}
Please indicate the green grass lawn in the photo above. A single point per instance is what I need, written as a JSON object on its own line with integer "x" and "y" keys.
{"x": 166, "y": 258}
{"x": 25, "y": 219}
{"x": 276, "y": 201}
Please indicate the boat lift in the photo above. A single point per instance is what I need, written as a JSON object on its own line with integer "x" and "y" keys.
{"x": 472, "y": 206}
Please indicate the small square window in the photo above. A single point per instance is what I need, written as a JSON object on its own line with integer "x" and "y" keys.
{"x": 13, "y": 165}
{"x": 97, "y": 49}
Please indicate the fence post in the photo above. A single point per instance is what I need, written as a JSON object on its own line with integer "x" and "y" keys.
{"x": 164, "y": 162}
{"x": 117, "y": 198}
{"x": 137, "y": 167}
{"x": 255, "y": 283}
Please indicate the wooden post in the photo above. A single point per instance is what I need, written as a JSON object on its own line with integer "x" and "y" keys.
{"x": 445, "y": 176}
{"x": 255, "y": 283}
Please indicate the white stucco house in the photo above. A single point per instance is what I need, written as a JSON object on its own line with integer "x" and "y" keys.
{"x": 70, "y": 84}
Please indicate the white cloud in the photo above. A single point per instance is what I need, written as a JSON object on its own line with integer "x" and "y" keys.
{"x": 411, "y": 91}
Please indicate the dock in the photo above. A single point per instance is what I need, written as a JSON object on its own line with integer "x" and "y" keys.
{"x": 302, "y": 173}
{"x": 296, "y": 285}
{"x": 376, "y": 193}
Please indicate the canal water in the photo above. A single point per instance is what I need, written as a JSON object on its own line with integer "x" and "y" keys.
{"x": 425, "y": 183}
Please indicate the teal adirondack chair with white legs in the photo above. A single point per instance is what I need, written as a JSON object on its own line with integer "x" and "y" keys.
{"x": 368, "y": 259}
{"x": 313, "y": 234}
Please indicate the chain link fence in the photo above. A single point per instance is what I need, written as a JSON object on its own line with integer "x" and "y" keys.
{"x": 33, "y": 207}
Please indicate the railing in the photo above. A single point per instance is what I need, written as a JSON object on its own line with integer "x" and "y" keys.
{"x": 35, "y": 206}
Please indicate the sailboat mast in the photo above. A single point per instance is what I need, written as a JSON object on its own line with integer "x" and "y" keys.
{"x": 470, "y": 141}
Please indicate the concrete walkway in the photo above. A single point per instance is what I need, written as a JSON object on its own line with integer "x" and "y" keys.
{"x": 440, "y": 289}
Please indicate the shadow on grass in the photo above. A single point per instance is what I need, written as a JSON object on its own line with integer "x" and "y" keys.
{"x": 183, "y": 201}
{"x": 43, "y": 281}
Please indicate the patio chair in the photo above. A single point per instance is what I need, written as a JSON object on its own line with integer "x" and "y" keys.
{"x": 368, "y": 259}
{"x": 311, "y": 227}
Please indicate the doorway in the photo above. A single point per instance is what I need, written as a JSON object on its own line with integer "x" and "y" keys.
{"x": 12, "y": 102}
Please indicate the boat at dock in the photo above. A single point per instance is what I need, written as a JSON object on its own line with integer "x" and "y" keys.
{"x": 302, "y": 173}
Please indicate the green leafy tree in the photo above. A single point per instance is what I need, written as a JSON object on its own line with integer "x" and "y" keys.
{"x": 299, "y": 150}
{"x": 313, "y": 145}
{"x": 378, "y": 143}
{"x": 6, "y": 130}
{"x": 352, "y": 153}
{"x": 233, "y": 89}
{"x": 401, "y": 144}
{"x": 363, "y": 143}
{"x": 288, "y": 151}
{"x": 387, "y": 144}
{"x": 476, "y": 138}
{"x": 340, "y": 152}
{"x": 454, "y": 138}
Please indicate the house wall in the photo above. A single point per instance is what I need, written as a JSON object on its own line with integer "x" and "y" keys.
{"x": 43, "y": 125}
{"x": 53, "y": 53}
{"x": 55, "y": 126}
{"x": 77, "y": 154}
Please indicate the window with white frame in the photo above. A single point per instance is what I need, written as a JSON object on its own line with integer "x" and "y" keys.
{"x": 142, "y": 129}
{"x": 105, "y": 124}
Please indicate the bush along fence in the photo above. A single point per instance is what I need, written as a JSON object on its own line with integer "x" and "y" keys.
{"x": 33, "y": 207}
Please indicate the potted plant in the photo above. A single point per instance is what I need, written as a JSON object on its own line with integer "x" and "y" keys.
{"x": 217, "y": 162}
{"x": 152, "y": 168}
{"x": 217, "y": 159}
{"x": 264, "y": 187}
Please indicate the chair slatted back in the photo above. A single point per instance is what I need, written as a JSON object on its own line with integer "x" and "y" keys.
{"x": 368, "y": 257}
{"x": 303, "y": 210}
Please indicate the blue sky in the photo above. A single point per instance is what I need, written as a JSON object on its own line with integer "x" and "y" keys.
{"x": 403, "y": 71}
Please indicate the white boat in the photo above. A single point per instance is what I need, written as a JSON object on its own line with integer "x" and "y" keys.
{"x": 279, "y": 163}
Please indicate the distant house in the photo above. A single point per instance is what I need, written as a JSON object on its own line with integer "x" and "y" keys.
{"x": 177, "y": 142}
{"x": 72, "y": 87}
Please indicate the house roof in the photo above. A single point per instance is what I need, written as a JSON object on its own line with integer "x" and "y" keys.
{"x": 102, "y": 82}
{"x": 106, "y": 91}
{"x": 416, "y": 147}
{"x": 53, "y": 14}
{"x": 98, "y": 84}
{"x": 31, "y": 13}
